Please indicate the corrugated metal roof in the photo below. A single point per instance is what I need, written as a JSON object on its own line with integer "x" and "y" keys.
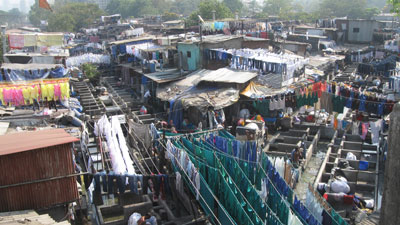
{"x": 31, "y": 66}
{"x": 131, "y": 40}
{"x": 165, "y": 76}
{"x": 226, "y": 75}
{"x": 25, "y": 141}
{"x": 170, "y": 90}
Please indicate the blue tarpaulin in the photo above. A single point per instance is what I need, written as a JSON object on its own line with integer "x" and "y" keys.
{"x": 23, "y": 72}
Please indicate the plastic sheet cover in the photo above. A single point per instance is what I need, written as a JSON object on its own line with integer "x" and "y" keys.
{"x": 26, "y": 75}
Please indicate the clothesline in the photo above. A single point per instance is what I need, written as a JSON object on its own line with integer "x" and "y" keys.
{"x": 217, "y": 151}
{"x": 239, "y": 190}
{"x": 197, "y": 190}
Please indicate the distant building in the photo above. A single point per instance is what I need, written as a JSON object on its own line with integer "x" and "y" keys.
{"x": 356, "y": 31}
{"x": 387, "y": 17}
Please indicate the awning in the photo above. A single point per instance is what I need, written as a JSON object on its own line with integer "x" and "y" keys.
{"x": 203, "y": 98}
{"x": 165, "y": 76}
{"x": 187, "y": 91}
{"x": 171, "y": 90}
{"x": 225, "y": 75}
{"x": 254, "y": 90}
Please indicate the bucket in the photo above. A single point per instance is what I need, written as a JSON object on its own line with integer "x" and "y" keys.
{"x": 363, "y": 165}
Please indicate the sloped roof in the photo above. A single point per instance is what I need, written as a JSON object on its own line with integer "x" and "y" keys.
{"x": 26, "y": 141}
{"x": 225, "y": 75}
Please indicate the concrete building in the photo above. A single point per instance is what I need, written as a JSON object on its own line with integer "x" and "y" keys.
{"x": 190, "y": 55}
{"x": 356, "y": 31}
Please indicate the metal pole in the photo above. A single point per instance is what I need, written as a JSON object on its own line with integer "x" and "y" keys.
{"x": 3, "y": 32}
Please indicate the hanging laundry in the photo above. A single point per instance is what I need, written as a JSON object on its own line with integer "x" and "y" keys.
{"x": 364, "y": 130}
{"x": 375, "y": 130}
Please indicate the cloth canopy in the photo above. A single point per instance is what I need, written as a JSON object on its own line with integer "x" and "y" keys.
{"x": 225, "y": 75}
{"x": 254, "y": 90}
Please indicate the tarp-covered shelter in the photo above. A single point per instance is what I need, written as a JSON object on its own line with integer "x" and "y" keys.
{"x": 203, "y": 90}
{"x": 22, "y": 72}
{"x": 186, "y": 86}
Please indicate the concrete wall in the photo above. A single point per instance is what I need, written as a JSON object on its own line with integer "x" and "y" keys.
{"x": 256, "y": 44}
{"x": 366, "y": 30}
{"x": 390, "y": 211}
{"x": 314, "y": 41}
{"x": 235, "y": 43}
{"x": 190, "y": 53}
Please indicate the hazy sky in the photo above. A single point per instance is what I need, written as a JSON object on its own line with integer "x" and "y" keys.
{"x": 9, "y": 4}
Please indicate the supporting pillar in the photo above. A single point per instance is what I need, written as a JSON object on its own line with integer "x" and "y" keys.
{"x": 390, "y": 210}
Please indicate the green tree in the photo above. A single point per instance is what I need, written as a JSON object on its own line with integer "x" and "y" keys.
{"x": 281, "y": 8}
{"x": 15, "y": 11}
{"x": 253, "y": 9}
{"x": 370, "y": 12}
{"x": 66, "y": 17}
{"x": 340, "y": 8}
{"x": 234, "y": 5}
{"x": 184, "y": 7}
{"x": 394, "y": 5}
{"x": 64, "y": 21}
{"x": 90, "y": 71}
{"x": 37, "y": 14}
{"x": 205, "y": 11}
{"x": 123, "y": 7}
{"x": 167, "y": 16}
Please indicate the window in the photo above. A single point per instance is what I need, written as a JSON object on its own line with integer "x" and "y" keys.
{"x": 356, "y": 30}
{"x": 189, "y": 54}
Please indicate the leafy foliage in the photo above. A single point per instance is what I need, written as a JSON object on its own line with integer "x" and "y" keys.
{"x": 37, "y": 14}
{"x": 66, "y": 17}
{"x": 234, "y": 5}
{"x": 205, "y": 11}
{"x": 395, "y": 5}
{"x": 184, "y": 7}
{"x": 340, "y": 8}
{"x": 170, "y": 16}
{"x": 90, "y": 71}
{"x": 281, "y": 8}
{"x": 138, "y": 8}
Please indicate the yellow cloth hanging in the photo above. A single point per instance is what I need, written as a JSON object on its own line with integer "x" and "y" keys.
{"x": 50, "y": 92}
{"x": 64, "y": 90}
{"x": 1, "y": 96}
{"x": 44, "y": 90}
{"x": 26, "y": 94}
{"x": 34, "y": 93}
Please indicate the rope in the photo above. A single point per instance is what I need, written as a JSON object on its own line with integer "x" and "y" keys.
{"x": 182, "y": 169}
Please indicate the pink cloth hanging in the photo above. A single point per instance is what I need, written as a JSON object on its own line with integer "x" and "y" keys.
{"x": 21, "y": 99}
{"x": 365, "y": 127}
{"x": 57, "y": 92}
{"x": 6, "y": 96}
